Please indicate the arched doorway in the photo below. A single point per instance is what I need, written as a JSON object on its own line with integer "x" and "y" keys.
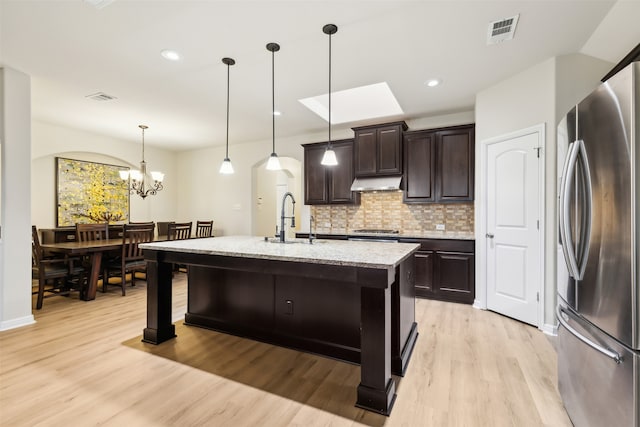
{"x": 268, "y": 187}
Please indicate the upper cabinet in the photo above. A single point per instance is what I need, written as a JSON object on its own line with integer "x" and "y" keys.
{"x": 378, "y": 149}
{"x": 329, "y": 184}
{"x": 439, "y": 165}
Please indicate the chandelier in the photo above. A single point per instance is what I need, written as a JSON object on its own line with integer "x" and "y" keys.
{"x": 136, "y": 178}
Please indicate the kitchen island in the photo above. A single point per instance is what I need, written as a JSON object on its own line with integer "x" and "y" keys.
{"x": 353, "y": 301}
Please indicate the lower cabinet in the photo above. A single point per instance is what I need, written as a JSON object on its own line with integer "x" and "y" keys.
{"x": 445, "y": 269}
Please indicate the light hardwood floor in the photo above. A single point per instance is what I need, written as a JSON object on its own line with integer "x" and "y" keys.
{"x": 83, "y": 364}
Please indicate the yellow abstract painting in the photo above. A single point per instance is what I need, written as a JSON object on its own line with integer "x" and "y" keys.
{"x": 89, "y": 192}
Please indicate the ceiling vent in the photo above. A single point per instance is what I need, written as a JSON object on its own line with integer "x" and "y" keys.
{"x": 100, "y": 96}
{"x": 502, "y": 30}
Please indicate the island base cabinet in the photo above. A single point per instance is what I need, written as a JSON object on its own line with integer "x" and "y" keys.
{"x": 355, "y": 314}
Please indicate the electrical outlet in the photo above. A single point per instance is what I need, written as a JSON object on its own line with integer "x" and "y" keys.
{"x": 327, "y": 225}
{"x": 440, "y": 227}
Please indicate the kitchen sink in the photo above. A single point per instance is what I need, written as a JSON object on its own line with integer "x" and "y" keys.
{"x": 298, "y": 241}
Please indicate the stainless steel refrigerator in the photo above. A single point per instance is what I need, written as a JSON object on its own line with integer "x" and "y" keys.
{"x": 599, "y": 296}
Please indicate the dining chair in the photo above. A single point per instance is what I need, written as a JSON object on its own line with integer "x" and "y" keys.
{"x": 56, "y": 275}
{"x": 131, "y": 258}
{"x": 204, "y": 228}
{"x": 179, "y": 230}
{"x": 86, "y": 232}
{"x": 163, "y": 227}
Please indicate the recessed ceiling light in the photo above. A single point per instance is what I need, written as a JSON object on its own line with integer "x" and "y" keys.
{"x": 171, "y": 55}
{"x": 432, "y": 82}
{"x": 352, "y": 105}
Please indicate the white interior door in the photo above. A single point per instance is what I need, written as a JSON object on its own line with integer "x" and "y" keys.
{"x": 513, "y": 242}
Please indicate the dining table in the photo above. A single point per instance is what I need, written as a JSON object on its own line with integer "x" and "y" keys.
{"x": 92, "y": 248}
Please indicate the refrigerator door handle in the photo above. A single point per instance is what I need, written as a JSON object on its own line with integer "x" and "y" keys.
{"x": 607, "y": 352}
{"x": 565, "y": 210}
{"x": 585, "y": 241}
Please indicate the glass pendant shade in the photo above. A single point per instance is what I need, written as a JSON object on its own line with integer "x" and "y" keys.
{"x": 274, "y": 163}
{"x": 157, "y": 176}
{"x": 226, "y": 168}
{"x": 329, "y": 158}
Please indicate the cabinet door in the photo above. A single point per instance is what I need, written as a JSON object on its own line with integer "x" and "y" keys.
{"x": 419, "y": 167}
{"x": 365, "y": 152}
{"x": 389, "y": 150}
{"x": 341, "y": 175}
{"x": 454, "y": 276}
{"x": 424, "y": 273}
{"x": 455, "y": 151}
{"x": 315, "y": 176}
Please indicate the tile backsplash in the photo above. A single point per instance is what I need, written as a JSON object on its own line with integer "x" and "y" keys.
{"x": 385, "y": 210}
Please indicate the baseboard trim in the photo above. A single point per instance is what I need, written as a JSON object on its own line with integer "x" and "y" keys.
{"x": 550, "y": 329}
{"x": 5, "y": 325}
{"x": 478, "y": 304}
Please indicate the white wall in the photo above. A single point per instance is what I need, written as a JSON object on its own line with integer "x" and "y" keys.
{"x": 15, "y": 204}
{"x": 50, "y": 141}
{"x": 540, "y": 94}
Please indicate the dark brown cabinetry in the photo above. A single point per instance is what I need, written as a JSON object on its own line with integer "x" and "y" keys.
{"x": 329, "y": 184}
{"x": 378, "y": 149}
{"x": 439, "y": 165}
{"x": 445, "y": 269}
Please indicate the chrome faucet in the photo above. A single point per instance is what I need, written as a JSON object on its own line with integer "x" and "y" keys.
{"x": 282, "y": 217}
{"x": 311, "y": 220}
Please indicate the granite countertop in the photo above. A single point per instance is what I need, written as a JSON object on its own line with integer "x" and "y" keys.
{"x": 332, "y": 252}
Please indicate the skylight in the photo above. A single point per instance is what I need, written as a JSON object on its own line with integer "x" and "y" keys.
{"x": 352, "y": 105}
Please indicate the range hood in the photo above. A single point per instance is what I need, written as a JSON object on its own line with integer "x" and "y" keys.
{"x": 380, "y": 183}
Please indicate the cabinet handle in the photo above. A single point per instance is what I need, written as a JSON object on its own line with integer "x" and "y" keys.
{"x": 490, "y": 236}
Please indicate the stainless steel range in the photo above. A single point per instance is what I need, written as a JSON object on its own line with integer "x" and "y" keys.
{"x": 375, "y": 235}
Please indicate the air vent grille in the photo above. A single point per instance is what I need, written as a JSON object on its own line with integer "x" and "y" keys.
{"x": 502, "y": 30}
{"x": 100, "y": 96}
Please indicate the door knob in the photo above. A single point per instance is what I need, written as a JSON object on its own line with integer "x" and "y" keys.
{"x": 489, "y": 235}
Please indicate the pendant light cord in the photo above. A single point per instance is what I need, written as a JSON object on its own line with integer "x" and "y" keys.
{"x": 142, "y": 144}
{"x": 227, "y": 151}
{"x": 273, "y": 102}
{"x": 329, "y": 91}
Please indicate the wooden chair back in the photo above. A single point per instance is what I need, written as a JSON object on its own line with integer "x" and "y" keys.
{"x": 133, "y": 235}
{"x": 204, "y": 228}
{"x": 88, "y": 232}
{"x": 179, "y": 230}
{"x": 163, "y": 228}
{"x": 56, "y": 270}
{"x": 36, "y": 250}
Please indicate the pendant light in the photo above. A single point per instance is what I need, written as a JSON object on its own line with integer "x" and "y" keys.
{"x": 226, "y": 168}
{"x": 329, "y": 157}
{"x": 274, "y": 163}
{"x": 137, "y": 178}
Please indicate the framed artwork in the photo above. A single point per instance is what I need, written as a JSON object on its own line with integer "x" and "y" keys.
{"x": 89, "y": 192}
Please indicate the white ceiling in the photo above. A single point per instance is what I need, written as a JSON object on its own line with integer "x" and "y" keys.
{"x": 72, "y": 49}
